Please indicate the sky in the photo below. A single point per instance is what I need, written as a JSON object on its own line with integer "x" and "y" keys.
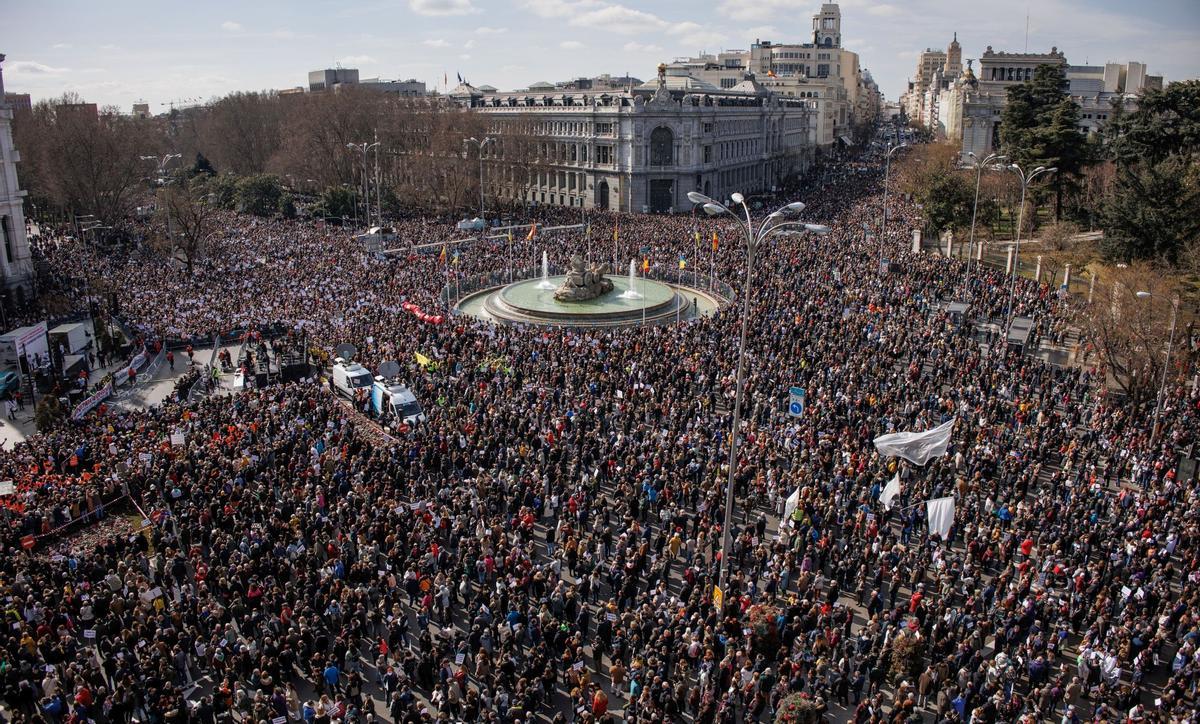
{"x": 118, "y": 52}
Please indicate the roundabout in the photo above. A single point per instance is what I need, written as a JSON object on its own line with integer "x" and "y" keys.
{"x": 632, "y": 301}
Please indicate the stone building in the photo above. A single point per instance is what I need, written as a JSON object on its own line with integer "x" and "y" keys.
{"x": 15, "y": 264}
{"x": 642, "y": 149}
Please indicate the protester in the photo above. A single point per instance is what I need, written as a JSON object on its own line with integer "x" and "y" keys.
{"x": 546, "y": 544}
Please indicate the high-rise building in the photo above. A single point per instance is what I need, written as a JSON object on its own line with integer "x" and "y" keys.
{"x": 141, "y": 110}
{"x": 15, "y": 264}
{"x": 328, "y": 79}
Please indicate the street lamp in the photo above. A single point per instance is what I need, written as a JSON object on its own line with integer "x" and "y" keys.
{"x": 365, "y": 147}
{"x": 480, "y": 144}
{"x": 1025, "y": 180}
{"x": 887, "y": 170}
{"x": 979, "y": 166}
{"x": 161, "y": 163}
{"x": 773, "y": 224}
{"x": 1162, "y": 387}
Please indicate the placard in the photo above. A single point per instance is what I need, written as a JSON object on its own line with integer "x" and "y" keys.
{"x": 7, "y": 487}
{"x": 89, "y": 633}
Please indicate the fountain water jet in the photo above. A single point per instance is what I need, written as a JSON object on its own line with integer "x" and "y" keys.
{"x": 632, "y": 292}
{"x": 545, "y": 283}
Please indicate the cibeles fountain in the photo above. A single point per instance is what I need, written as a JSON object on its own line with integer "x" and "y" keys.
{"x": 587, "y": 296}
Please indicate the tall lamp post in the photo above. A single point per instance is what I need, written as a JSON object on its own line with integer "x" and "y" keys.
{"x": 365, "y": 148}
{"x": 774, "y": 223}
{"x": 161, "y": 163}
{"x": 1026, "y": 178}
{"x": 887, "y": 171}
{"x": 1162, "y": 387}
{"x": 480, "y": 145}
{"x": 979, "y": 166}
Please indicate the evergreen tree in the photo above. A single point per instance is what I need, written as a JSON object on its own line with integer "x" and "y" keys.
{"x": 1152, "y": 210}
{"x": 1040, "y": 127}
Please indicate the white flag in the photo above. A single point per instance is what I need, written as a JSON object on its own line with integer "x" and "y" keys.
{"x": 789, "y": 507}
{"x": 890, "y": 491}
{"x": 941, "y": 515}
{"x": 917, "y": 447}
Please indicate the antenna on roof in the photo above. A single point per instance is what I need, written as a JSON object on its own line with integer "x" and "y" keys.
{"x": 1026, "y": 28}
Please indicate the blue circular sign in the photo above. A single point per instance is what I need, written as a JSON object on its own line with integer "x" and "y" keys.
{"x": 796, "y": 408}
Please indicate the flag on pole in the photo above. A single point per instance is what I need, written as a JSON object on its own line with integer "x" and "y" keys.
{"x": 422, "y": 360}
{"x": 890, "y": 491}
{"x": 532, "y": 232}
{"x": 510, "y": 236}
{"x": 714, "y": 240}
{"x": 442, "y": 256}
{"x": 645, "y": 264}
{"x": 682, "y": 262}
{"x": 940, "y": 512}
{"x": 917, "y": 447}
{"x": 455, "y": 261}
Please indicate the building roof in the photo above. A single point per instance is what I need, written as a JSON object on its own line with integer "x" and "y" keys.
{"x": 681, "y": 83}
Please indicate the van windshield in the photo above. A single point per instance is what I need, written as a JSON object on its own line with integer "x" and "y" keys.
{"x": 359, "y": 380}
{"x": 409, "y": 409}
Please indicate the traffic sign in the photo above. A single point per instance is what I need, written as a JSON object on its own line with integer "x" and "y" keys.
{"x": 796, "y": 401}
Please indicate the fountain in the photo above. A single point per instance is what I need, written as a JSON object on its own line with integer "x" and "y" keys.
{"x": 632, "y": 292}
{"x": 545, "y": 283}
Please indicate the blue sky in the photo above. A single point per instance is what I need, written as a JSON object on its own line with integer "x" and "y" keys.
{"x": 120, "y": 51}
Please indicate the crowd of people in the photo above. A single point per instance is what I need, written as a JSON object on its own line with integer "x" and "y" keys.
{"x": 545, "y": 545}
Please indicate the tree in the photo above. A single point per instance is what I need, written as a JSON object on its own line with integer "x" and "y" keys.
{"x": 287, "y": 206}
{"x": 85, "y": 161}
{"x": 946, "y": 193}
{"x": 1151, "y": 210}
{"x": 202, "y": 166}
{"x": 1040, "y": 127}
{"x": 259, "y": 194}
{"x": 335, "y": 201}
{"x": 1129, "y": 333}
{"x": 191, "y": 220}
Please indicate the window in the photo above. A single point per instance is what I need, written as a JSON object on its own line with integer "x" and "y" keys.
{"x": 604, "y": 129}
{"x": 8, "y": 250}
{"x": 604, "y": 154}
{"x": 708, "y": 154}
{"x": 827, "y": 23}
{"x": 708, "y": 128}
{"x": 662, "y": 147}
{"x": 823, "y": 70}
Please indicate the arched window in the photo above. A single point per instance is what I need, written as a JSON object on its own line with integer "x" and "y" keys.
{"x": 662, "y": 147}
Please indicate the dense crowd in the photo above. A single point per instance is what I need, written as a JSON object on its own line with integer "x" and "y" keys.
{"x": 545, "y": 545}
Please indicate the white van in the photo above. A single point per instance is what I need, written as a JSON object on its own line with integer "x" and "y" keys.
{"x": 349, "y": 377}
{"x": 392, "y": 403}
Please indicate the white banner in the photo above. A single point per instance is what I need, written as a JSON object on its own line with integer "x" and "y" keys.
{"x": 917, "y": 447}
{"x": 789, "y": 507}
{"x": 941, "y": 515}
{"x": 890, "y": 491}
{"x": 92, "y": 402}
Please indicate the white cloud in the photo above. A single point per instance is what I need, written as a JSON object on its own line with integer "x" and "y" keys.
{"x": 110, "y": 46}
{"x": 694, "y": 34}
{"x": 469, "y": 44}
{"x": 883, "y": 10}
{"x": 570, "y": 45}
{"x": 618, "y": 19}
{"x": 765, "y": 32}
{"x": 60, "y": 46}
{"x": 763, "y": 9}
{"x": 286, "y": 34}
{"x": 442, "y": 7}
{"x": 32, "y": 67}
{"x": 231, "y": 27}
{"x": 435, "y": 43}
{"x": 485, "y": 30}
{"x": 559, "y": 8}
{"x": 351, "y": 60}
{"x": 633, "y": 47}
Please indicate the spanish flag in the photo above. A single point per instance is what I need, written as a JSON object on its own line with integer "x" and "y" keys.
{"x": 682, "y": 262}
{"x": 771, "y": 74}
{"x": 532, "y": 232}
{"x": 714, "y": 240}
{"x": 442, "y": 256}
{"x": 422, "y": 360}
{"x": 645, "y": 264}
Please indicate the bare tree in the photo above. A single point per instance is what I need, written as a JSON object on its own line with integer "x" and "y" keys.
{"x": 1130, "y": 329}
{"x": 190, "y": 221}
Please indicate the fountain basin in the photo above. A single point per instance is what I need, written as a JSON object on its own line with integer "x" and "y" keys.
{"x": 527, "y": 302}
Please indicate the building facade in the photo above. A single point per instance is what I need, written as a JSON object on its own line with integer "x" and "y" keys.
{"x": 15, "y": 262}
{"x": 821, "y": 70}
{"x": 644, "y": 149}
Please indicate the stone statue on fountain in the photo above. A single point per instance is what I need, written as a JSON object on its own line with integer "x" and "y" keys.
{"x": 583, "y": 282}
